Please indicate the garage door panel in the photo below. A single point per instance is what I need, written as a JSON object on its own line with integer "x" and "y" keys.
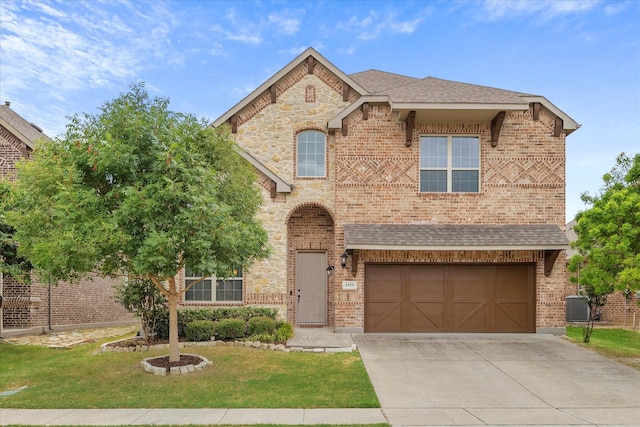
{"x": 384, "y": 317}
{"x": 450, "y": 298}
{"x": 512, "y": 317}
{"x": 470, "y": 317}
{"x": 426, "y": 316}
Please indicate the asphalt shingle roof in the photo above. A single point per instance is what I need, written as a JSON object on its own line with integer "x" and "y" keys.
{"x": 21, "y": 125}
{"x": 405, "y": 89}
{"x": 443, "y": 237}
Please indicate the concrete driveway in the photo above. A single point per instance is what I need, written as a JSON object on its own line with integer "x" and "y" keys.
{"x": 497, "y": 379}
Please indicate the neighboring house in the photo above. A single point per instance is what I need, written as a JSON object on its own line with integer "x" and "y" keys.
{"x": 618, "y": 310}
{"x": 445, "y": 199}
{"x": 37, "y": 305}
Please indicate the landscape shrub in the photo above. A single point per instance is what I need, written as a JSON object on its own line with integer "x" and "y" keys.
{"x": 261, "y": 325}
{"x": 186, "y": 316}
{"x": 283, "y": 332}
{"x": 230, "y": 329}
{"x": 263, "y": 338}
{"x": 200, "y": 330}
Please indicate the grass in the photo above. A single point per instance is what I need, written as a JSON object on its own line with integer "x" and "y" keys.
{"x": 621, "y": 345}
{"x": 240, "y": 377}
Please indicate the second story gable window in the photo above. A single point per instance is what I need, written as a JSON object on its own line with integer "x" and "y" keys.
{"x": 311, "y": 154}
{"x": 449, "y": 164}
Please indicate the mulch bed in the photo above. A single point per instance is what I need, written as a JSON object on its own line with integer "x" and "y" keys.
{"x": 163, "y": 362}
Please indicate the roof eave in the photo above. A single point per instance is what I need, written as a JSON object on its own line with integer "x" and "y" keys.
{"x": 336, "y": 122}
{"x": 281, "y": 185}
{"x": 283, "y": 72}
{"x": 382, "y": 247}
{"x": 568, "y": 124}
{"x": 19, "y": 134}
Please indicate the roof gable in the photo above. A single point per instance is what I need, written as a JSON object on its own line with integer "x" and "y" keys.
{"x": 19, "y": 127}
{"x": 310, "y": 52}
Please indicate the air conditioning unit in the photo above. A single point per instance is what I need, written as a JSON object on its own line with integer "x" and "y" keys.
{"x": 577, "y": 309}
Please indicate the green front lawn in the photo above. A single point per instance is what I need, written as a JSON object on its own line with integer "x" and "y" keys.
{"x": 619, "y": 344}
{"x": 240, "y": 377}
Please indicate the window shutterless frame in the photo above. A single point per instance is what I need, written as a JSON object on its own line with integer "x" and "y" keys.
{"x": 225, "y": 290}
{"x": 311, "y": 154}
{"x": 449, "y": 164}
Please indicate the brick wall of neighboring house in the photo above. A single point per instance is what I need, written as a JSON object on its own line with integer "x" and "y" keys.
{"x": 11, "y": 150}
{"x": 620, "y": 311}
{"x": 87, "y": 302}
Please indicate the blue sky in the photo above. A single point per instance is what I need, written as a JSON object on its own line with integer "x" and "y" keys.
{"x": 59, "y": 58}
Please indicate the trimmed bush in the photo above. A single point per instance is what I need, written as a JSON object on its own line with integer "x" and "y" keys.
{"x": 261, "y": 325}
{"x": 186, "y": 316}
{"x": 230, "y": 329}
{"x": 200, "y": 330}
{"x": 283, "y": 332}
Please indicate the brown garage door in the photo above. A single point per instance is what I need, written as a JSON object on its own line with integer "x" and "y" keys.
{"x": 450, "y": 298}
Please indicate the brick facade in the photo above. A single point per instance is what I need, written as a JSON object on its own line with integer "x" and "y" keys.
{"x": 88, "y": 302}
{"x": 373, "y": 178}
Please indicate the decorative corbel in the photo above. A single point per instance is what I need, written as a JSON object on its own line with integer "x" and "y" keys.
{"x": 311, "y": 63}
{"x": 496, "y": 127}
{"x": 345, "y": 92}
{"x": 411, "y": 125}
{"x": 557, "y": 127}
{"x": 234, "y": 123}
{"x": 550, "y": 256}
{"x": 355, "y": 256}
{"x": 365, "y": 111}
{"x": 274, "y": 96}
{"x": 536, "y": 110}
{"x": 345, "y": 128}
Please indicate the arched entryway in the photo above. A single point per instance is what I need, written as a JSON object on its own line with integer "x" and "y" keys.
{"x": 310, "y": 244}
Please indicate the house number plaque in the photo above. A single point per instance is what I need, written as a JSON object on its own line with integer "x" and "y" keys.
{"x": 351, "y": 285}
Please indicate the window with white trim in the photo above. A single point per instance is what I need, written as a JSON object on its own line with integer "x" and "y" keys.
{"x": 449, "y": 164}
{"x": 311, "y": 154}
{"x": 226, "y": 290}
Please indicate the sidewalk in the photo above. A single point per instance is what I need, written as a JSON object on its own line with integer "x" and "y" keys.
{"x": 189, "y": 416}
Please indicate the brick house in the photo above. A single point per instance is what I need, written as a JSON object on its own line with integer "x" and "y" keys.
{"x": 402, "y": 204}
{"x": 37, "y": 306}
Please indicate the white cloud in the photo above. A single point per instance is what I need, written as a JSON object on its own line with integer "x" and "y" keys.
{"x": 283, "y": 24}
{"x": 373, "y": 25}
{"x": 499, "y": 9}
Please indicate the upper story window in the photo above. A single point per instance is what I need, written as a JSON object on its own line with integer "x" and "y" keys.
{"x": 311, "y": 154}
{"x": 450, "y": 164}
{"x": 229, "y": 289}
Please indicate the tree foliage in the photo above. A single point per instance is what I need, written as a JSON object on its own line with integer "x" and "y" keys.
{"x": 609, "y": 236}
{"x": 138, "y": 190}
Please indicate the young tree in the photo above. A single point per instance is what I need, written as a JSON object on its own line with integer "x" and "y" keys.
{"x": 609, "y": 237}
{"x": 141, "y": 191}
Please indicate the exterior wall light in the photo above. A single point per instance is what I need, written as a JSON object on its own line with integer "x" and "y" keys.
{"x": 343, "y": 259}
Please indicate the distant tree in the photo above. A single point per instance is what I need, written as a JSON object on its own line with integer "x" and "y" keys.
{"x": 141, "y": 190}
{"x": 609, "y": 238}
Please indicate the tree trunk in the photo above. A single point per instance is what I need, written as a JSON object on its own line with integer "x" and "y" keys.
{"x": 174, "y": 352}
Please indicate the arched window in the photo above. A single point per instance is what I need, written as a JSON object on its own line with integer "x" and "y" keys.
{"x": 311, "y": 154}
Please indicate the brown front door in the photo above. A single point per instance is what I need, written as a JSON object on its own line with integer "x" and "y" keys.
{"x": 311, "y": 288}
{"x": 450, "y": 298}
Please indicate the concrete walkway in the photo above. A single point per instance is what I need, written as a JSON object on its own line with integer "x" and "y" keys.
{"x": 421, "y": 380}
